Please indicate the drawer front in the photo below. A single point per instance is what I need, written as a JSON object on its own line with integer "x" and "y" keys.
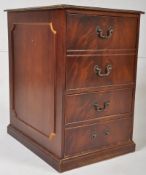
{"x": 97, "y": 136}
{"x": 92, "y": 72}
{"x": 101, "y": 32}
{"x": 83, "y": 107}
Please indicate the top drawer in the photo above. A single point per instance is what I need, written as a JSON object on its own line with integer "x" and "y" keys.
{"x": 86, "y": 32}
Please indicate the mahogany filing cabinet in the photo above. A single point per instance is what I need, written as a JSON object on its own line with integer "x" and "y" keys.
{"x": 72, "y": 82}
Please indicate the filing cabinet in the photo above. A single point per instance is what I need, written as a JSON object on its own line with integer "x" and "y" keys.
{"x": 72, "y": 82}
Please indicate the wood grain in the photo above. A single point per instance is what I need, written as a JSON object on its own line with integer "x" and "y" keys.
{"x": 96, "y": 136}
{"x": 35, "y": 88}
{"x": 81, "y": 107}
{"x": 80, "y": 71}
{"x": 82, "y": 32}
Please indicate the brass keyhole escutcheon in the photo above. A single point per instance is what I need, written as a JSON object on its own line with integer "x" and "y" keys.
{"x": 94, "y": 135}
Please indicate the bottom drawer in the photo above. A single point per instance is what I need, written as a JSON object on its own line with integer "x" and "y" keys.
{"x": 96, "y": 136}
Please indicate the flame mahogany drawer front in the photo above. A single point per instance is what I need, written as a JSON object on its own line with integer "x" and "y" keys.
{"x": 101, "y": 32}
{"x": 97, "y": 136}
{"x": 88, "y": 106}
{"x": 72, "y": 82}
{"x": 96, "y": 71}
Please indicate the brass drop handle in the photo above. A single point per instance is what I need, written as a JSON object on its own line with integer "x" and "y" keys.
{"x": 99, "y": 73}
{"x": 99, "y": 108}
{"x": 108, "y": 34}
{"x": 106, "y": 132}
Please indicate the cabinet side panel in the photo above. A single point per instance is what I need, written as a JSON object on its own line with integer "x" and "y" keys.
{"x": 33, "y": 42}
{"x": 34, "y": 76}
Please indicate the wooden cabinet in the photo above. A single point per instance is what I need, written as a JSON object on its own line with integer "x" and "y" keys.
{"x": 72, "y": 82}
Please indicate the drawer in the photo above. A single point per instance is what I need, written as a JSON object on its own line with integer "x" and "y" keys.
{"x": 96, "y": 71}
{"x": 101, "y": 32}
{"x": 97, "y": 136}
{"x": 81, "y": 107}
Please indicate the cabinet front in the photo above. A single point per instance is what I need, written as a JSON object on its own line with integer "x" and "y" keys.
{"x": 97, "y": 136}
{"x": 96, "y": 71}
{"x": 92, "y": 31}
{"x": 88, "y": 106}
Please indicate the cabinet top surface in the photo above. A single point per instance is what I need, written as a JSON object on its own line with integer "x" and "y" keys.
{"x": 74, "y": 7}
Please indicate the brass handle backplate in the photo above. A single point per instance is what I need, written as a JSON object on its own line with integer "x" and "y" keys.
{"x": 99, "y": 108}
{"x": 101, "y": 35}
{"x": 98, "y": 70}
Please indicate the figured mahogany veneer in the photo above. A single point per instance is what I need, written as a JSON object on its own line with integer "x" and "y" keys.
{"x": 80, "y": 71}
{"x": 82, "y": 107}
{"x": 85, "y": 26}
{"x": 72, "y": 82}
{"x": 97, "y": 136}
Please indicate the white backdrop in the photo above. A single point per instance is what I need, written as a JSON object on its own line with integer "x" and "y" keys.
{"x": 16, "y": 159}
